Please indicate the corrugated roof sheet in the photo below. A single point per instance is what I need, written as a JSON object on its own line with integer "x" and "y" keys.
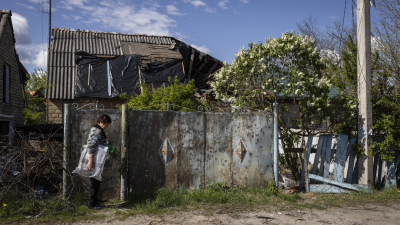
{"x": 61, "y": 68}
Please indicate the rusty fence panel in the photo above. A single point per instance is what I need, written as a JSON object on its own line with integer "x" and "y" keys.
{"x": 192, "y": 149}
{"x": 180, "y": 149}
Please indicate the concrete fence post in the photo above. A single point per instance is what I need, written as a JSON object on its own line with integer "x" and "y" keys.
{"x": 276, "y": 146}
{"x": 124, "y": 145}
{"x": 66, "y": 145}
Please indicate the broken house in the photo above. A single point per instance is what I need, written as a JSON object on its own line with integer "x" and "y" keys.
{"x": 13, "y": 79}
{"x": 88, "y": 66}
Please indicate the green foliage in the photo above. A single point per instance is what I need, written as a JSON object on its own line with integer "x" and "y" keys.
{"x": 385, "y": 118}
{"x": 384, "y": 97}
{"x": 37, "y": 82}
{"x": 177, "y": 94}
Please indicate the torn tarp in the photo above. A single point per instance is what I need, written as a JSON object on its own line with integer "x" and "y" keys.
{"x": 125, "y": 74}
{"x": 157, "y": 73}
{"x": 93, "y": 79}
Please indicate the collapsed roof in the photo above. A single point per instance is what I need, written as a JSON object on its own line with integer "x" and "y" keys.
{"x": 62, "y": 69}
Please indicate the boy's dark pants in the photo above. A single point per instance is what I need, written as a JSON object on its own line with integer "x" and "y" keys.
{"x": 94, "y": 190}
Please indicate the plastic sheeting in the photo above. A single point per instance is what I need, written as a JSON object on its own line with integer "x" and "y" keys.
{"x": 125, "y": 75}
{"x": 158, "y": 73}
{"x": 93, "y": 80}
{"x": 99, "y": 161}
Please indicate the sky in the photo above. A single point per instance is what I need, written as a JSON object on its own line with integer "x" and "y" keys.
{"x": 217, "y": 27}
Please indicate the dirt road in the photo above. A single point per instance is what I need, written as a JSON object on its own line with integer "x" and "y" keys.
{"x": 365, "y": 214}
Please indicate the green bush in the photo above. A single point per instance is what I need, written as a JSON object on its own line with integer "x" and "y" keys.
{"x": 177, "y": 94}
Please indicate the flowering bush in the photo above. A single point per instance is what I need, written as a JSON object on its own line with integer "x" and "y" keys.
{"x": 289, "y": 66}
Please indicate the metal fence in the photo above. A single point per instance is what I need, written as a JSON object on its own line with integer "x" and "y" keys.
{"x": 176, "y": 149}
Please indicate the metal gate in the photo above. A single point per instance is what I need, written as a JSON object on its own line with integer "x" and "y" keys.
{"x": 179, "y": 149}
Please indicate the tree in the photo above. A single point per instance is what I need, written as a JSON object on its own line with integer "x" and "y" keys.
{"x": 37, "y": 82}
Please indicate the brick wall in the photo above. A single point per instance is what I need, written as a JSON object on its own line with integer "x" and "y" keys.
{"x": 56, "y": 106}
{"x": 8, "y": 56}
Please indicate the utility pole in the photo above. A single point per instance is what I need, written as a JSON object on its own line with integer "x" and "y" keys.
{"x": 49, "y": 27}
{"x": 42, "y": 9}
{"x": 364, "y": 83}
{"x": 48, "y": 55}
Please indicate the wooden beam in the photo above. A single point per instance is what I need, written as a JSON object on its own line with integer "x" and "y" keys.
{"x": 202, "y": 66}
{"x": 212, "y": 69}
{"x": 191, "y": 64}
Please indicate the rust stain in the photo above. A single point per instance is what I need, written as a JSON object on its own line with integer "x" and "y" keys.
{"x": 240, "y": 150}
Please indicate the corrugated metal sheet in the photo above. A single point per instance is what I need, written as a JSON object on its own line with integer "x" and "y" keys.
{"x": 61, "y": 66}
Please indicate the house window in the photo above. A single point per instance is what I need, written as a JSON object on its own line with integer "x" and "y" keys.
{"x": 4, "y": 130}
{"x": 6, "y": 84}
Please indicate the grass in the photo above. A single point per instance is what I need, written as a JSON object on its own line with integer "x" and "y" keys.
{"x": 216, "y": 198}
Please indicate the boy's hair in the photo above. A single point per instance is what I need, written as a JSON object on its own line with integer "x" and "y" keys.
{"x": 103, "y": 119}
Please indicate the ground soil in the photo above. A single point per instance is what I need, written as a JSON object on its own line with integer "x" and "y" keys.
{"x": 364, "y": 214}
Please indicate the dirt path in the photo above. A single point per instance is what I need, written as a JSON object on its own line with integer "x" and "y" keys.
{"x": 365, "y": 214}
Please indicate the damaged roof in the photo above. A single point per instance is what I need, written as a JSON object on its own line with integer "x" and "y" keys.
{"x": 61, "y": 67}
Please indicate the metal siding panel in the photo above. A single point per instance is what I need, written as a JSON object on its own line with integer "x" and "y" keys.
{"x": 95, "y": 43}
{"x": 67, "y": 41}
{"x": 190, "y": 154}
{"x": 71, "y": 83}
{"x": 113, "y": 44}
{"x": 147, "y": 168}
{"x": 119, "y": 49}
{"x": 219, "y": 148}
{"x": 57, "y": 42}
{"x": 61, "y": 83}
{"x": 106, "y": 44}
{"x": 85, "y": 42}
{"x": 66, "y": 83}
{"x": 56, "y": 82}
{"x": 80, "y": 37}
{"x": 101, "y": 44}
{"x": 50, "y": 79}
{"x": 255, "y": 168}
{"x": 60, "y": 39}
{"x": 90, "y": 39}
{"x": 50, "y": 56}
{"x": 92, "y": 43}
{"x": 53, "y": 45}
{"x": 89, "y": 44}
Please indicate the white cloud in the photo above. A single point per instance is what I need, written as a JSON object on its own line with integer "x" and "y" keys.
{"x": 35, "y": 54}
{"x": 172, "y": 10}
{"x": 197, "y": 3}
{"x": 65, "y": 17}
{"x": 25, "y": 5}
{"x": 222, "y": 4}
{"x": 76, "y": 17}
{"x": 123, "y": 16}
{"x": 210, "y": 10}
{"x": 245, "y": 1}
{"x": 332, "y": 17}
{"x": 21, "y": 29}
{"x": 202, "y": 48}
